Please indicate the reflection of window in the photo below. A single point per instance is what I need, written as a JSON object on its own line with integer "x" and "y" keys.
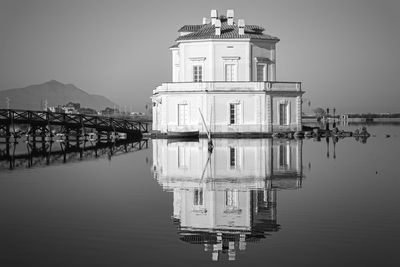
{"x": 233, "y": 113}
{"x": 232, "y": 157}
{"x": 284, "y": 156}
{"x": 283, "y": 114}
{"x": 183, "y": 114}
{"x": 198, "y": 197}
{"x": 230, "y": 72}
{"x": 197, "y": 73}
{"x": 182, "y": 163}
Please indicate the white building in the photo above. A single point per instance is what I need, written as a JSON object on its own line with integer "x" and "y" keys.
{"x": 226, "y": 198}
{"x": 226, "y": 70}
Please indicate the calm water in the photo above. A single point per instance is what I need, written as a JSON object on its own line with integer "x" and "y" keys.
{"x": 259, "y": 201}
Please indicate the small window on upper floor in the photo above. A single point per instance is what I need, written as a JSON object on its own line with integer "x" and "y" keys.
{"x": 230, "y": 72}
{"x": 197, "y": 73}
{"x": 262, "y": 72}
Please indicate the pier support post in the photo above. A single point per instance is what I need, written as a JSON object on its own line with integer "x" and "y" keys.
{"x": 43, "y": 134}
{"x": 67, "y": 137}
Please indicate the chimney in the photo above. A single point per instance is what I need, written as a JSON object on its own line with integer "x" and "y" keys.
{"x": 241, "y": 26}
{"x": 214, "y": 16}
{"x": 230, "y": 14}
{"x": 205, "y": 21}
{"x": 217, "y": 27}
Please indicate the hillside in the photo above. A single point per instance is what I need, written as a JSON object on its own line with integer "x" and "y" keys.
{"x": 55, "y": 93}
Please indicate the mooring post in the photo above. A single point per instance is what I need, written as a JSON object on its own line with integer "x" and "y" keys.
{"x": 327, "y": 146}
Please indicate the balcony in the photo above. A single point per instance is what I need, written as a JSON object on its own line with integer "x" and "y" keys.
{"x": 229, "y": 87}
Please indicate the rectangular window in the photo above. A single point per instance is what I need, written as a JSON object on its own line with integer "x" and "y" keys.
{"x": 261, "y": 72}
{"x": 198, "y": 197}
{"x": 197, "y": 73}
{"x": 230, "y": 72}
{"x": 232, "y": 157}
{"x": 183, "y": 114}
{"x": 283, "y": 116}
{"x": 233, "y": 113}
{"x": 232, "y": 198}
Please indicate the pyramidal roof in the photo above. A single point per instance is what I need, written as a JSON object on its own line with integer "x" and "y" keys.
{"x": 207, "y": 31}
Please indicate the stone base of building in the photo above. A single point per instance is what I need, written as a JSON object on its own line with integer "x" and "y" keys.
{"x": 232, "y": 134}
{"x": 233, "y": 129}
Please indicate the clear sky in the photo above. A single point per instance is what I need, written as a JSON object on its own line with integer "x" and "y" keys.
{"x": 346, "y": 52}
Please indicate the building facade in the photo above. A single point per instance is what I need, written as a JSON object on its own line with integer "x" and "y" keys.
{"x": 227, "y": 198}
{"x": 224, "y": 80}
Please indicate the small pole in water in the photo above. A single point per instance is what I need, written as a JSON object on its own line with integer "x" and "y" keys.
{"x": 334, "y": 147}
{"x": 327, "y": 122}
{"x": 327, "y": 147}
{"x": 334, "y": 119}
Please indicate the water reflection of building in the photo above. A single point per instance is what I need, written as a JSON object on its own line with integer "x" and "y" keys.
{"x": 228, "y": 198}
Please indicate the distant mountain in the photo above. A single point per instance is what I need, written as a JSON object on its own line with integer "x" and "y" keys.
{"x": 56, "y": 93}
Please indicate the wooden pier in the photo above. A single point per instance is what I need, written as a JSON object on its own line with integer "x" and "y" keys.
{"x": 41, "y": 125}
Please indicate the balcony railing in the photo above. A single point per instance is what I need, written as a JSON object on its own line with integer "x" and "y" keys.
{"x": 228, "y": 86}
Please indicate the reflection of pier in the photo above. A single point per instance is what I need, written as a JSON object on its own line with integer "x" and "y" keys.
{"x": 50, "y": 153}
{"x": 228, "y": 198}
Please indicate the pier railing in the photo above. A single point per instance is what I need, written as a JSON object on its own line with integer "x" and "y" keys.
{"x": 44, "y": 118}
{"x": 229, "y": 86}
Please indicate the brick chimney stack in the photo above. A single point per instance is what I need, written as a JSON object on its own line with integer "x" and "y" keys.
{"x": 217, "y": 27}
{"x": 214, "y": 16}
{"x": 241, "y": 26}
{"x": 230, "y": 15}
